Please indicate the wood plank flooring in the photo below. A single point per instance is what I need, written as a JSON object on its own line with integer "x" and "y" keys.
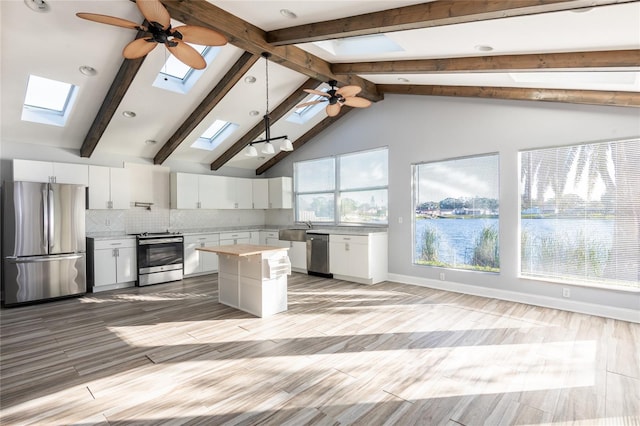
{"x": 343, "y": 353}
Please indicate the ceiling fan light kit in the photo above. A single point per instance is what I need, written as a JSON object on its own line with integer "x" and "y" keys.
{"x": 160, "y": 31}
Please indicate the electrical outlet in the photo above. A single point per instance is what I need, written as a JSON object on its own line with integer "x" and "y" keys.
{"x": 566, "y": 292}
{"x": 441, "y": 276}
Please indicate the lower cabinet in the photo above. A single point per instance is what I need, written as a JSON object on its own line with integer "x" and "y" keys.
{"x": 111, "y": 264}
{"x": 199, "y": 262}
{"x": 359, "y": 258}
{"x": 298, "y": 255}
{"x": 240, "y": 237}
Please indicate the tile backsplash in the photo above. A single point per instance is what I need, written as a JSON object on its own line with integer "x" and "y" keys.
{"x": 138, "y": 220}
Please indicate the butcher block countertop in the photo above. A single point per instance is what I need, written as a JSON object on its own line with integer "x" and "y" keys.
{"x": 241, "y": 249}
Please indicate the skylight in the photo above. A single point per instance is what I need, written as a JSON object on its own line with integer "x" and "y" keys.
{"x": 47, "y": 101}
{"x": 360, "y": 45}
{"x": 214, "y": 135}
{"x": 179, "y": 77}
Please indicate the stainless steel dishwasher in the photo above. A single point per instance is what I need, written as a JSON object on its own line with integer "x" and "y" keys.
{"x": 318, "y": 254}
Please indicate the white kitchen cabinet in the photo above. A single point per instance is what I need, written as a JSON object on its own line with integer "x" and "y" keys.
{"x": 243, "y": 192}
{"x": 280, "y": 193}
{"x": 108, "y": 188}
{"x": 359, "y": 258}
{"x": 267, "y": 238}
{"x": 45, "y": 171}
{"x": 254, "y": 237}
{"x": 185, "y": 191}
{"x": 239, "y": 237}
{"x": 298, "y": 255}
{"x": 151, "y": 184}
{"x": 111, "y": 263}
{"x": 199, "y": 262}
{"x": 260, "y": 193}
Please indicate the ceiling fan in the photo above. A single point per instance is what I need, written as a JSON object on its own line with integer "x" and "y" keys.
{"x": 337, "y": 97}
{"x": 160, "y": 31}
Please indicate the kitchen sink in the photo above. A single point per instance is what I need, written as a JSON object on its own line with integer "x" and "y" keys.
{"x": 293, "y": 234}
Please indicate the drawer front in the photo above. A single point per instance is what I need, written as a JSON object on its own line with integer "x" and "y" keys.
{"x": 270, "y": 234}
{"x": 122, "y": 243}
{"x": 353, "y": 239}
{"x": 211, "y": 239}
{"x": 234, "y": 235}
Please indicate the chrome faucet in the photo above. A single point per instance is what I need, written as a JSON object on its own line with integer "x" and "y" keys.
{"x": 309, "y": 224}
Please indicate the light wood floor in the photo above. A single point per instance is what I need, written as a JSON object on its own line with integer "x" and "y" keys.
{"x": 342, "y": 354}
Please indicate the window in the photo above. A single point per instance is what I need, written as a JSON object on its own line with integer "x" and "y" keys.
{"x": 346, "y": 189}
{"x": 580, "y": 213}
{"x": 179, "y": 77}
{"x": 456, "y": 206}
{"x": 47, "y": 101}
{"x": 214, "y": 135}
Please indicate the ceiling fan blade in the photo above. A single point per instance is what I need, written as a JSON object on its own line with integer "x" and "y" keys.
{"x": 187, "y": 54}
{"x": 317, "y": 92}
{"x": 347, "y": 91}
{"x": 333, "y": 110}
{"x": 357, "y": 102}
{"x": 154, "y": 11}
{"x": 200, "y": 35}
{"x": 111, "y": 20}
{"x": 139, "y": 48}
{"x": 306, "y": 104}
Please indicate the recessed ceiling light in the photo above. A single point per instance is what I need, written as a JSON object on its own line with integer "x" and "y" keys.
{"x": 150, "y": 142}
{"x": 483, "y": 48}
{"x": 254, "y": 113}
{"x": 129, "y": 114}
{"x": 87, "y": 70}
{"x": 288, "y": 14}
{"x": 249, "y": 79}
{"x": 403, "y": 80}
{"x": 37, "y": 5}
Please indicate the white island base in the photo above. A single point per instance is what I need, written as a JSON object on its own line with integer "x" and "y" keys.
{"x": 252, "y": 278}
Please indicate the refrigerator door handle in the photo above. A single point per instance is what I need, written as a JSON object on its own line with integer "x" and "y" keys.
{"x": 32, "y": 259}
{"x": 50, "y": 213}
{"x": 45, "y": 216}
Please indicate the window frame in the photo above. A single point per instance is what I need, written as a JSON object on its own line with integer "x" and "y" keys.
{"x": 336, "y": 191}
{"x": 415, "y": 189}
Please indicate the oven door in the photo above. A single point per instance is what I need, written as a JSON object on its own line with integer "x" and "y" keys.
{"x": 160, "y": 254}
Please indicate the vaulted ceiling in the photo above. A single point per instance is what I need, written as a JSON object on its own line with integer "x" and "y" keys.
{"x": 570, "y": 51}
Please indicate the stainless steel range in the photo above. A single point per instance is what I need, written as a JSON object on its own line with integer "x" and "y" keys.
{"x": 160, "y": 257}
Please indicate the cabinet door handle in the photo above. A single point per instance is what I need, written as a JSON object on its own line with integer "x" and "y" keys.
{"x": 109, "y": 204}
{"x": 346, "y": 246}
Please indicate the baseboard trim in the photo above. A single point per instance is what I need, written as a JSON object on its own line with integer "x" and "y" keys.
{"x": 512, "y": 296}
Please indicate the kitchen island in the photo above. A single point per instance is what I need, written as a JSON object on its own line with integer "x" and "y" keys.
{"x": 252, "y": 278}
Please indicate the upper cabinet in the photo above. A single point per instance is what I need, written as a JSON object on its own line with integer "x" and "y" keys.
{"x": 45, "y": 171}
{"x": 151, "y": 184}
{"x": 280, "y": 193}
{"x": 193, "y": 191}
{"x": 108, "y": 188}
{"x": 260, "y": 193}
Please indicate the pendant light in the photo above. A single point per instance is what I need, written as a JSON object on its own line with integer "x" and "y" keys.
{"x": 267, "y": 147}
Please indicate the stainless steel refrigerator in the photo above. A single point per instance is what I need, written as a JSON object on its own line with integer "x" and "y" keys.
{"x": 43, "y": 241}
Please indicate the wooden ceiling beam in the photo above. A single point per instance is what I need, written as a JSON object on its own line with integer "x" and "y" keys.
{"x": 118, "y": 89}
{"x": 503, "y": 63}
{"x": 294, "y": 99}
{"x": 310, "y": 134}
{"x": 253, "y": 39}
{"x": 589, "y": 97}
{"x": 227, "y": 82}
{"x": 424, "y": 15}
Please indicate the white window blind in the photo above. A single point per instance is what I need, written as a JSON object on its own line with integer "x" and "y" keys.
{"x": 580, "y": 213}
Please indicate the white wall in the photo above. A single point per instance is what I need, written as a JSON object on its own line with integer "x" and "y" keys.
{"x": 421, "y": 128}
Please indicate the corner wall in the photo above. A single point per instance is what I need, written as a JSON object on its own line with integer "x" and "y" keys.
{"x": 422, "y": 128}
